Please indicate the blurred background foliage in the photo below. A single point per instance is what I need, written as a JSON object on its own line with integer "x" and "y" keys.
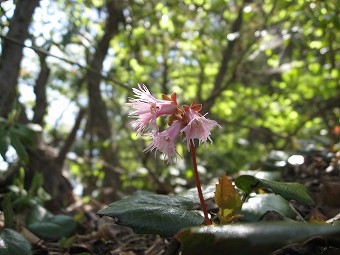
{"x": 266, "y": 71}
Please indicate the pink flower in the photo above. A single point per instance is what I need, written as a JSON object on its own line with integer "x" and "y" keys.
{"x": 165, "y": 141}
{"x": 198, "y": 126}
{"x": 147, "y": 108}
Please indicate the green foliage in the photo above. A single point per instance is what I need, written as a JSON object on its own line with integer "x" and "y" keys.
{"x": 150, "y": 213}
{"x": 146, "y": 212}
{"x": 267, "y": 175}
{"x": 256, "y": 206}
{"x": 16, "y": 135}
{"x": 267, "y": 71}
{"x": 36, "y": 214}
{"x": 13, "y": 243}
{"x": 53, "y": 227}
{"x": 22, "y": 198}
{"x": 7, "y": 209}
{"x": 289, "y": 191}
{"x": 278, "y": 81}
{"x": 38, "y": 220}
{"x": 250, "y": 238}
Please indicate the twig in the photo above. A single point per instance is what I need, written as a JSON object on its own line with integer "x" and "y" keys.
{"x": 71, "y": 137}
{"x": 41, "y": 51}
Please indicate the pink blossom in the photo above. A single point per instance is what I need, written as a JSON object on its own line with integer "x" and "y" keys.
{"x": 165, "y": 141}
{"x": 147, "y": 108}
{"x": 198, "y": 126}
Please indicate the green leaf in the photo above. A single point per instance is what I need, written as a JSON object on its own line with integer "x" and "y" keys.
{"x": 54, "y": 227}
{"x": 18, "y": 146}
{"x": 154, "y": 214}
{"x": 287, "y": 190}
{"x": 267, "y": 175}
{"x": 24, "y": 132}
{"x": 256, "y": 206}
{"x": 13, "y": 243}
{"x": 38, "y": 214}
{"x": 37, "y": 183}
{"x": 250, "y": 238}
{"x": 4, "y": 141}
{"x": 208, "y": 192}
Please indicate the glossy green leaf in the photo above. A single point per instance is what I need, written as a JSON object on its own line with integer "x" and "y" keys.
{"x": 287, "y": 190}
{"x": 267, "y": 175}
{"x": 37, "y": 214}
{"x": 250, "y": 238}
{"x": 54, "y": 227}
{"x": 208, "y": 192}
{"x": 258, "y": 205}
{"x": 13, "y": 243}
{"x": 154, "y": 214}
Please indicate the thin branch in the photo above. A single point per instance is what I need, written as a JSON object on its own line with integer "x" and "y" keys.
{"x": 263, "y": 130}
{"x": 71, "y": 137}
{"x": 329, "y": 105}
{"x": 219, "y": 85}
{"x": 89, "y": 69}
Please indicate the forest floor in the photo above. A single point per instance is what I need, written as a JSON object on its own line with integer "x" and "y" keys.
{"x": 101, "y": 236}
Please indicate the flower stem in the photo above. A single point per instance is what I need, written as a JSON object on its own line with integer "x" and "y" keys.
{"x": 198, "y": 184}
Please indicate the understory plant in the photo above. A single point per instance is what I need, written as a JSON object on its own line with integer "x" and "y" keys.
{"x": 186, "y": 121}
{"x": 175, "y": 215}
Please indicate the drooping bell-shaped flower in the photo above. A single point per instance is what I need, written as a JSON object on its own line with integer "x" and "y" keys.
{"x": 165, "y": 141}
{"x": 147, "y": 108}
{"x": 198, "y": 127}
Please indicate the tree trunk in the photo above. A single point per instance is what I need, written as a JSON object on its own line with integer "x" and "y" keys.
{"x": 12, "y": 54}
{"x": 44, "y": 160}
{"x": 98, "y": 122}
{"x": 41, "y": 158}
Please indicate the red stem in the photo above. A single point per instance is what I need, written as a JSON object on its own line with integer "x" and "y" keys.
{"x": 198, "y": 184}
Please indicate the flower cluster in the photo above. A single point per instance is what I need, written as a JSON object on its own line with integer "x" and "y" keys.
{"x": 187, "y": 121}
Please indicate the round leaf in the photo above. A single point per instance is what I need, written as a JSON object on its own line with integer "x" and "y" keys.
{"x": 287, "y": 190}
{"x": 54, "y": 227}
{"x": 37, "y": 214}
{"x": 13, "y": 243}
{"x": 256, "y": 206}
{"x": 154, "y": 214}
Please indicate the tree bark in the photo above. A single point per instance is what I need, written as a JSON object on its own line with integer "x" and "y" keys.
{"x": 12, "y": 54}
{"x": 98, "y": 121}
{"x": 40, "y": 92}
{"x": 42, "y": 159}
